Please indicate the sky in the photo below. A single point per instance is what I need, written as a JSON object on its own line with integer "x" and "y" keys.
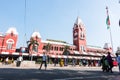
{"x": 54, "y": 19}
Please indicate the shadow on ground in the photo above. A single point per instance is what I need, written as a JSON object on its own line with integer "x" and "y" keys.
{"x": 53, "y": 74}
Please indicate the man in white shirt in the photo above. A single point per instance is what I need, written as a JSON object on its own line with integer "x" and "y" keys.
{"x": 118, "y": 60}
{"x": 44, "y": 60}
{"x": 6, "y": 60}
{"x": 19, "y": 60}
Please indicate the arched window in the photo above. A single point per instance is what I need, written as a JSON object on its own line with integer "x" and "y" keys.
{"x": 82, "y": 48}
{"x": 82, "y": 36}
{"x": 35, "y": 48}
{"x": 10, "y": 43}
{"x": 52, "y": 48}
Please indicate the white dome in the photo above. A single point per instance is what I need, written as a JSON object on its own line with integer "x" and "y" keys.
{"x": 36, "y": 34}
{"x": 12, "y": 29}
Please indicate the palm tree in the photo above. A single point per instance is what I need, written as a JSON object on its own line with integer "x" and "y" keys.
{"x": 47, "y": 48}
{"x": 66, "y": 52}
{"x": 32, "y": 43}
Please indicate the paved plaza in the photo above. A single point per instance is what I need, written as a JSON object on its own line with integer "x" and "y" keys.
{"x": 8, "y": 72}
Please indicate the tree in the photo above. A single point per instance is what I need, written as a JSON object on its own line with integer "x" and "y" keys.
{"x": 48, "y": 48}
{"x": 66, "y": 52}
{"x": 34, "y": 44}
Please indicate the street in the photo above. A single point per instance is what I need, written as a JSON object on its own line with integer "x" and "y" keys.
{"x": 56, "y": 73}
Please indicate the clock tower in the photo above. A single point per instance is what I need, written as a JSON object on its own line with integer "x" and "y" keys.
{"x": 79, "y": 35}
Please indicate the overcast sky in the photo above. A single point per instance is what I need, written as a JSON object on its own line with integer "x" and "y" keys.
{"x": 54, "y": 19}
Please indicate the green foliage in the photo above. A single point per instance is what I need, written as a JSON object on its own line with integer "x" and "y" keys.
{"x": 48, "y": 47}
{"x": 66, "y": 50}
{"x": 32, "y": 43}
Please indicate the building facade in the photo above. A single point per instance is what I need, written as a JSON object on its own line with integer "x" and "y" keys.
{"x": 79, "y": 49}
{"x": 8, "y": 42}
{"x": 54, "y": 48}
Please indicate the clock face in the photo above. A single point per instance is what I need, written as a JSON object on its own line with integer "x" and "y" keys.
{"x": 75, "y": 33}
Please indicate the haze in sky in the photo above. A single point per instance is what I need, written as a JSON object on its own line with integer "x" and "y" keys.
{"x": 54, "y": 19}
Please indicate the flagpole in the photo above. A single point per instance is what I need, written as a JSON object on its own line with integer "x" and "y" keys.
{"x": 111, "y": 40}
{"x": 108, "y": 24}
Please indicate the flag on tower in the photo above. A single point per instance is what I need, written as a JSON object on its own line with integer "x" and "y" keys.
{"x": 108, "y": 22}
{"x": 107, "y": 19}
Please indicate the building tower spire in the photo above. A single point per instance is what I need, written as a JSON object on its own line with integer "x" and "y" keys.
{"x": 78, "y": 20}
{"x": 79, "y": 35}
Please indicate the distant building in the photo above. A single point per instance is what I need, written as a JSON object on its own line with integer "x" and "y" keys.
{"x": 55, "y": 48}
{"x": 8, "y": 42}
{"x": 79, "y": 49}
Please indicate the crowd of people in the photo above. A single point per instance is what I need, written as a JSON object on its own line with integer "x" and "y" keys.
{"x": 9, "y": 60}
{"x": 6, "y": 60}
{"x": 107, "y": 62}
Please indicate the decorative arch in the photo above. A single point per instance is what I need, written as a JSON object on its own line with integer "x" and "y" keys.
{"x": 10, "y": 41}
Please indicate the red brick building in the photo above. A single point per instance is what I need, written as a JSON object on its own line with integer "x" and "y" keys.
{"x": 8, "y": 42}
{"x": 78, "y": 50}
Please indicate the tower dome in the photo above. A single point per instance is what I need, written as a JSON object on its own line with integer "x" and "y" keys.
{"x": 12, "y": 30}
{"x": 36, "y": 34}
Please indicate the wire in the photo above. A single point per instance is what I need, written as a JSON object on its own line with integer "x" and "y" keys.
{"x": 25, "y": 24}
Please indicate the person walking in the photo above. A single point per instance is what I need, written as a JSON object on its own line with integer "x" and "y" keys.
{"x": 104, "y": 63}
{"x": 7, "y": 60}
{"x": 110, "y": 62}
{"x": 118, "y": 61}
{"x": 73, "y": 62}
{"x": 19, "y": 60}
{"x": 55, "y": 61}
{"x": 44, "y": 61}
